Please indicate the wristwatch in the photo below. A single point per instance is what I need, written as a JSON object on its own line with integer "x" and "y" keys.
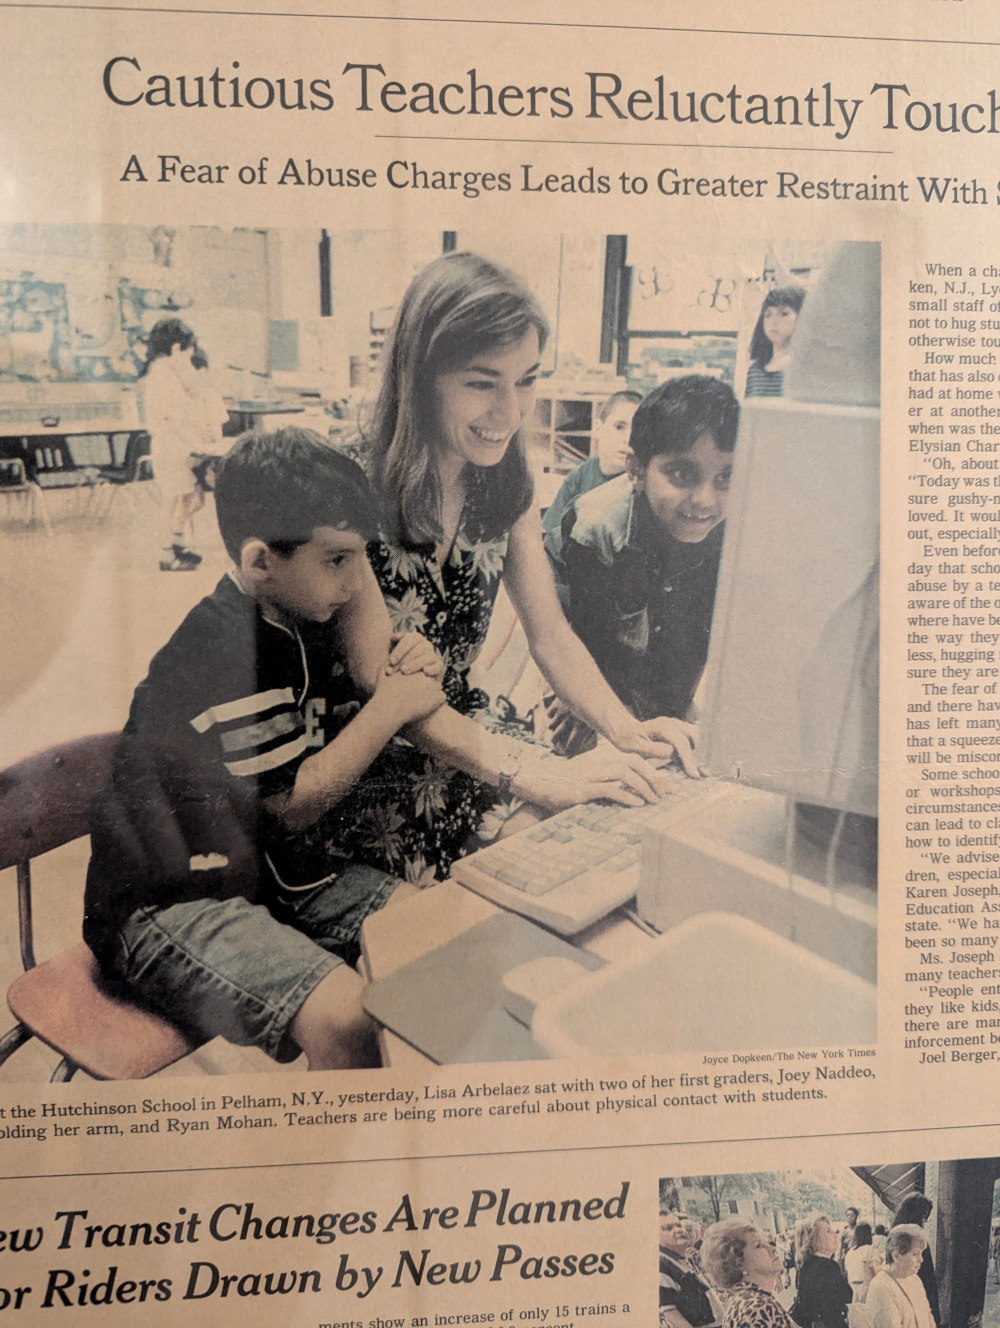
{"x": 509, "y": 767}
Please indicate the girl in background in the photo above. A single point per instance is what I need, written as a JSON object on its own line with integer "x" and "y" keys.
{"x": 770, "y": 346}
{"x": 211, "y": 414}
{"x": 861, "y": 1262}
{"x": 173, "y": 419}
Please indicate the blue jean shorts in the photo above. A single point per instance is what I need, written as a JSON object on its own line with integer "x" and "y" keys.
{"x": 229, "y": 968}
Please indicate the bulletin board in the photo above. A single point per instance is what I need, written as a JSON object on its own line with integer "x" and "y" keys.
{"x": 76, "y": 302}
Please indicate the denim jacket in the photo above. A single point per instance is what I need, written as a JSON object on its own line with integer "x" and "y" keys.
{"x": 639, "y": 600}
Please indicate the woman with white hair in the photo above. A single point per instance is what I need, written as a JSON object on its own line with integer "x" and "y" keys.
{"x": 743, "y": 1263}
{"x": 896, "y": 1297}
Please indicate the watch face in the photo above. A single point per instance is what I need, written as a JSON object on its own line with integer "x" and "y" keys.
{"x": 508, "y": 772}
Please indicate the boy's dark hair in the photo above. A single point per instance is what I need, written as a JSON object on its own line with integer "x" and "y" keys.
{"x": 676, "y": 414}
{"x": 633, "y": 398}
{"x": 280, "y": 486}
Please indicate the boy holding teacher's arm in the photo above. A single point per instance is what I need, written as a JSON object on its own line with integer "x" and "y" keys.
{"x": 217, "y": 893}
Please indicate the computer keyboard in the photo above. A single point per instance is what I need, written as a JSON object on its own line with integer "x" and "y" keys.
{"x": 576, "y": 867}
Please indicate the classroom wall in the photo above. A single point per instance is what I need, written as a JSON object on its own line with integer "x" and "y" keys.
{"x": 75, "y": 301}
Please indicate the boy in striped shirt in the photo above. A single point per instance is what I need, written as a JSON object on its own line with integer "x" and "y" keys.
{"x": 217, "y": 893}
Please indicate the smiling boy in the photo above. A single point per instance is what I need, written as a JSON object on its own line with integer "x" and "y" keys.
{"x": 217, "y": 890}
{"x": 640, "y": 555}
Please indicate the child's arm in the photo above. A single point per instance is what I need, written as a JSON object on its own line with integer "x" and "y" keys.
{"x": 367, "y": 640}
{"x": 364, "y": 632}
{"x": 400, "y": 675}
{"x": 322, "y": 780}
{"x": 569, "y": 667}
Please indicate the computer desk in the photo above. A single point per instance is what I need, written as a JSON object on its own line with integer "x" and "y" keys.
{"x": 247, "y": 415}
{"x": 400, "y": 933}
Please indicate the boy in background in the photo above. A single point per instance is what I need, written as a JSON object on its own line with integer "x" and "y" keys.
{"x": 609, "y": 456}
{"x": 640, "y": 556}
{"x": 217, "y": 893}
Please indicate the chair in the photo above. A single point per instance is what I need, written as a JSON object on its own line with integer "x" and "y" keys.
{"x": 52, "y": 465}
{"x": 44, "y": 803}
{"x": 14, "y": 483}
{"x": 135, "y": 463}
{"x": 135, "y": 467}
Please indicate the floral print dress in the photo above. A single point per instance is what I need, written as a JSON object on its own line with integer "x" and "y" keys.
{"x": 412, "y": 815}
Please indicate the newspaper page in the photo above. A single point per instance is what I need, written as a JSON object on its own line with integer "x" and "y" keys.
{"x": 496, "y": 509}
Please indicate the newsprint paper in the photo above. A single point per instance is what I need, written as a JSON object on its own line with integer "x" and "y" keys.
{"x": 681, "y": 320}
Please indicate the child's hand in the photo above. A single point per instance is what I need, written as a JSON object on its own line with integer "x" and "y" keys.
{"x": 664, "y": 740}
{"x": 681, "y": 736}
{"x": 412, "y": 653}
{"x": 570, "y": 736}
{"x": 409, "y": 696}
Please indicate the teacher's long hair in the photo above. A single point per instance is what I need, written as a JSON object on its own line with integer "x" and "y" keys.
{"x": 457, "y": 307}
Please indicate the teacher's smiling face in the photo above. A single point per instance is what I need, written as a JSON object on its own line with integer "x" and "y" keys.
{"x": 479, "y": 406}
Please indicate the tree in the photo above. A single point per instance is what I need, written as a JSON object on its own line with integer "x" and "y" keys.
{"x": 776, "y": 1193}
{"x": 669, "y": 1196}
{"x": 817, "y": 1198}
{"x": 718, "y": 1187}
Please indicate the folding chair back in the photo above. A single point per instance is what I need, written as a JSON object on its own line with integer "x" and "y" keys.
{"x": 44, "y": 803}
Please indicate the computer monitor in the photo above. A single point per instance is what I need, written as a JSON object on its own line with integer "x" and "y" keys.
{"x": 790, "y": 705}
{"x": 791, "y": 692}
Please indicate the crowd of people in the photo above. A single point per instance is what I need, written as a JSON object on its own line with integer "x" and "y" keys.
{"x": 734, "y": 1275}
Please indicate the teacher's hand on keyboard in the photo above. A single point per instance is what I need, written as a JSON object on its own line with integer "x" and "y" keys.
{"x": 621, "y": 777}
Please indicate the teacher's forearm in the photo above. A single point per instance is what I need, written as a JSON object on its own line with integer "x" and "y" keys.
{"x": 572, "y": 673}
{"x": 458, "y": 741}
{"x": 328, "y": 776}
{"x": 533, "y": 775}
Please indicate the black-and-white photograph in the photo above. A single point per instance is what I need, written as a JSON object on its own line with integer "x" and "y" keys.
{"x": 434, "y": 648}
{"x": 898, "y": 1245}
